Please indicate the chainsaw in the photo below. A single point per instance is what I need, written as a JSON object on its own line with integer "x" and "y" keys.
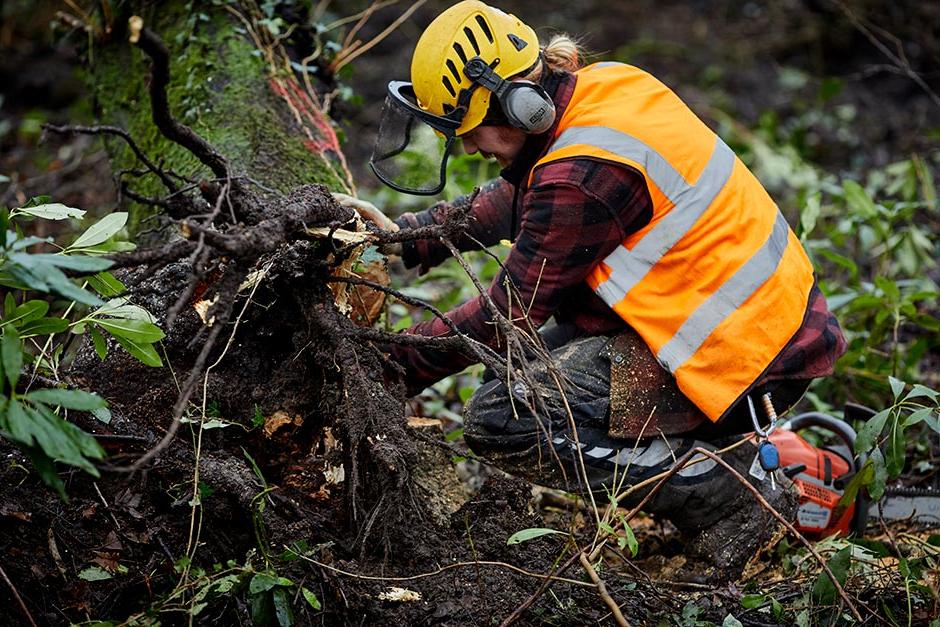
{"x": 821, "y": 476}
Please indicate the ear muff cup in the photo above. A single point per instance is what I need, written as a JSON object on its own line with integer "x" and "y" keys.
{"x": 527, "y": 106}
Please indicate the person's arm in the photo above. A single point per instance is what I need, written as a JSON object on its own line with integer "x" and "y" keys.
{"x": 490, "y": 223}
{"x": 574, "y": 215}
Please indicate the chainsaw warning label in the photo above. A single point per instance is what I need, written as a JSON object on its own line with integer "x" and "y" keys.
{"x": 812, "y": 516}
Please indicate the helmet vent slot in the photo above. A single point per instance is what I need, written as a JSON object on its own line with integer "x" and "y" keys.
{"x": 453, "y": 70}
{"x": 485, "y": 28}
{"x": 473, "y": 40}
{"x": 460, "y": 53}
{"x": 517, "y": 41}
{"x": 448, "y": 86}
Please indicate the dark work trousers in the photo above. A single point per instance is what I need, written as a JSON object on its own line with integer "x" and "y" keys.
{"x": 542, "y": 448}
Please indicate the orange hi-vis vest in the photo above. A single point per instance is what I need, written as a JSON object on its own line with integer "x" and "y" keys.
{"x": 717, "y": 283}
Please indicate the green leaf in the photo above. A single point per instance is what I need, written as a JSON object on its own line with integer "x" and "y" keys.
{"x": 897, "y": 387}
{"x": 142, "y": 351}
{"x": 862, "y": 478}
{"x": 262, "y": 582}
{"x": 94, "y": 573}
{"x": 101, "y": 230}
{"x": 30, "y": 310}
{"x": 868, "y": 434}
{"x": 69, "y": 262}
{"x": 44, "y": 326}
{"x": 123, "y": 309}
{"x": 810, "y": 214}
{"x": 47, "y": 278}
{"x": 311, "y": 598}
{"x": 920, "y": 391}
{"x": 824, "y": 591}
{"x": 103, "y": 414}
{"x": 26, "y": 242}
{"x": 101, "y": 345}
{"x": 262, "y": 610}
{"x": 917, "y": 416}
{"x": 858, "y": 200}
{"x": 46, "y": 469}
{"x": 62, "y": 440}
{"x": 139, "y": 331}
{"x": 285, "y": 617}
{"x": 51, "y": 211}
{"x": 227, "y": 583}
{"x": 530, "y": 534}
{"x": 72, "y": 399}
{"x": 632, "y": 544}
{"x": 731, "y": 621}
{"x": 18, "y": 423}
{"x": 896, "y": 451}
{"x": 11, "y": 352}
{"x": 106, "y": 284}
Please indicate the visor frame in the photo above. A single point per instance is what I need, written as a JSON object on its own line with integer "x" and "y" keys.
{"x": 444, "y": 124}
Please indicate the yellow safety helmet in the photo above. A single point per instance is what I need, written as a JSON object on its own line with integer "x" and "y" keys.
{"x": 467, "y": 55}
{"x": 466, "y": 30}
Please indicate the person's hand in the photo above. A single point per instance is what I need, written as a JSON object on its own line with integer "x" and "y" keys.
{"x": 368, "y": 211}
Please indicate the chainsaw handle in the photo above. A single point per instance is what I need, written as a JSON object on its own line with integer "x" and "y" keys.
{"x": 818, "y": 419}
{"x": 847, "y": 434}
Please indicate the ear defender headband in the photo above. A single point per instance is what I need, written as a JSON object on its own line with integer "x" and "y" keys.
{"x": 526, "y": 105}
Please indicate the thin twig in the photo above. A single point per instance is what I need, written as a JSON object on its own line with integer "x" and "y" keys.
{"x": 442, "y": 569}
{"x": 117, "y": 525}
{"x": 348, "y": 58}
{"x": 532, "y": 598}
{"x": 602, "y": 590}
{"x": 18, "y": 598}
{"x": 898, "y": 58}
{"x": 118, "y": 132}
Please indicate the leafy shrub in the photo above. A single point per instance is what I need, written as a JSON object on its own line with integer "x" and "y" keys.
{"x": 44, "y": 309}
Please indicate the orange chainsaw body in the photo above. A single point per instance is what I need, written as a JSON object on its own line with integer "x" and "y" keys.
{"x": 819, "y": 513}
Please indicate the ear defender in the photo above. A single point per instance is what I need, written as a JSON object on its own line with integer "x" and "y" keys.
{"x": 526, "y": 105}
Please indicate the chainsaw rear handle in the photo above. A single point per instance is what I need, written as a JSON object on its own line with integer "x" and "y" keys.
{"x": 847, "y": 434}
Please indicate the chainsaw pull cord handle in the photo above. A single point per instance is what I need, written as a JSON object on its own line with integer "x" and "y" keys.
{"x": 847, "y": 434}
{"x": 771, "y": 414}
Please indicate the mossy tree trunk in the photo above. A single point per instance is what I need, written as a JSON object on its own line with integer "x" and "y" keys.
{"x": 232, "y": 83}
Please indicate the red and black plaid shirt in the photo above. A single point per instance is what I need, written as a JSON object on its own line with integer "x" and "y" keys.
{"x": 574, "y": 213}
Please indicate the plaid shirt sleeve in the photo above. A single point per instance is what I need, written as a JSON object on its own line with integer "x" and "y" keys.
{"x": 489, "y": 223}
{"x": 573, "y": 215}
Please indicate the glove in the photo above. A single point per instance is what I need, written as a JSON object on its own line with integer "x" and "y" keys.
{"x": 368, "y": 211}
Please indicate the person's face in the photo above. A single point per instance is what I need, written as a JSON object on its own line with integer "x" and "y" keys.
{"x": 500, "y": 142}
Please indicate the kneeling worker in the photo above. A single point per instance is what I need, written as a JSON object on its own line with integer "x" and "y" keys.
{"x": 676, "y": 286}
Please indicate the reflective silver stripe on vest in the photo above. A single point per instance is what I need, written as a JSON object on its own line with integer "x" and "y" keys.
{"x": 604, "y": 64}
{"x": 628, "y": 267}
{"x": 726, "y": 299}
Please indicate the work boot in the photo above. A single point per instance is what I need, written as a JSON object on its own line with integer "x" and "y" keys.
{"x": 723, "y": 548}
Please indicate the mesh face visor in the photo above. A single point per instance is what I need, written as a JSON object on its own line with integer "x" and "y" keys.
{"x": 413, "y": 146}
